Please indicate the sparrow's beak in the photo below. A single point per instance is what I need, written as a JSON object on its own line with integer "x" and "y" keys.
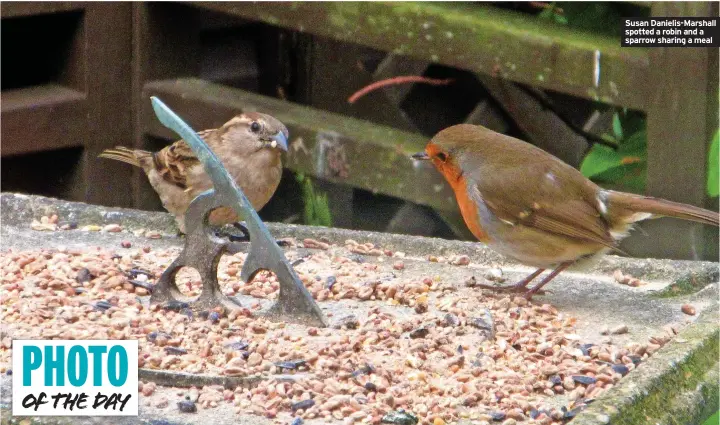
{"x": 280, "y": 141}
{"x": 420, "y": 156}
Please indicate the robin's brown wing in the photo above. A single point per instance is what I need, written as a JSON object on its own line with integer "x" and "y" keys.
{"x": 544, "y": 195}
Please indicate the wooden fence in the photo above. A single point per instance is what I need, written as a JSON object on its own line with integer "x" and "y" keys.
{"x": 86, "y": 86}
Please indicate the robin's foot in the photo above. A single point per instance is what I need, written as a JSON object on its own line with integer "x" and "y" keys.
{"x": 518, "y": 287}
{"x": 537, "y": 288}
{"x": 534, "y": 291}
{"x": 529, "y": 294}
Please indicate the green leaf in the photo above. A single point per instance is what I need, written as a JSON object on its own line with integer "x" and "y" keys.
{"x": 323, "y": 217}
{"x": 632, "y": 121}
{"x": 714, "y": 419}
{"x": 713, "y": 173}
{"x": 550, "y": 14}
{"x": 600, "y": 159}
{"x": 307, "y": 201}
{"x": 617, "y": 127}
{"x": 596, "y": 17}
{"x": 635, "y": 145}
{"x": 610, "y": 139}
{"x": 625, "y": 166}
{"x": 631, "y": 177}
{"x": 316, "y": 206}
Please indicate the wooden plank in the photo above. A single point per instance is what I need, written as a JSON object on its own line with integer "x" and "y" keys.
{"x": 141, "y": 190}
{"x": 39, "y": 96}
{"x": 475, "y": 37}
{"x": 161, "y": 49}
{"x": 107, "y": 51}
{"x": 325, "y": 145}
{"x": 541, "y": 126}
{"x": 336, "y": 74}
{"x": 682, "y": 117}
{"x": 12, "y": 9}
{"x": 42, "y": 118}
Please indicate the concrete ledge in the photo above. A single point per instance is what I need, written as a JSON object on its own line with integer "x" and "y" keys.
{"x": 19, "y": 210}
{"x": 677, "y": 385}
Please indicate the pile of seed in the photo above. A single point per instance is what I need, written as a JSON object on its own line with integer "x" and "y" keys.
{"x": 438, "y": 350}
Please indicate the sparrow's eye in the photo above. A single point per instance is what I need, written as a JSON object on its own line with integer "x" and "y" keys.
{"x": 441, "y": 156}
{"x": 255, "y": 127}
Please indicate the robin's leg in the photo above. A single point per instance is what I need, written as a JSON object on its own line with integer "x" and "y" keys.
{"x": 517, "y": 287}
{"x": 529, "y": 294}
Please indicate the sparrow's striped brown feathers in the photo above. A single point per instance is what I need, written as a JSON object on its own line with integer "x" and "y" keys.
{"x": 249, "y": 146}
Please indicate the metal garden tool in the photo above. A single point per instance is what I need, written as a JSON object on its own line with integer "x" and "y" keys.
{"x": 203, "y": 248}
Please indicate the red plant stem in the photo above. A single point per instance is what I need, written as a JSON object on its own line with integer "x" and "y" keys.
{"x": 403, "y": 79}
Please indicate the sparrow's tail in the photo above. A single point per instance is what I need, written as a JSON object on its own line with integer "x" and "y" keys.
{"x": 637, "y": 207}
{"x": 123, "y": 154}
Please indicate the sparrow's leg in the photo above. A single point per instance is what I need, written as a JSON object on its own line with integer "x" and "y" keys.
{"x": 245, "y": 233}
{"x": 223, "y": 232}
{"x": 529, "y": 294}
{"x": 235, "y": 244}
{"x": 517, "y": 287}
{"x": 245, "y": 236}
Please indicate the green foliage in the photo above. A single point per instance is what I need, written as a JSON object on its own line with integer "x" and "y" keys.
{"x": 317, "y": 209}
{"x": 598, "y": 17}
{"x": 626, "y": 165}
{"x": 714, "y": 419}
{"x": 552, "y": 14}
{"x": 617, "y": 127}
{"x": 713, "y": 174}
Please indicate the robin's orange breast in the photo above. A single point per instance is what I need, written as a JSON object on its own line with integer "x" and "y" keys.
{"x": 469, "y": 209}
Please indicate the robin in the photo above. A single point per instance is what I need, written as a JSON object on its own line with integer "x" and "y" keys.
{"x": 530, "y": 206}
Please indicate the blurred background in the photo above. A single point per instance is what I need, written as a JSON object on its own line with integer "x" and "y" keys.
{"x": 76, "y": 79}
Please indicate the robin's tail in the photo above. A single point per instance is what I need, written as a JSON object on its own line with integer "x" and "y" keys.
{"x": 128, "y": 156}
{"x": 637, "y": 207}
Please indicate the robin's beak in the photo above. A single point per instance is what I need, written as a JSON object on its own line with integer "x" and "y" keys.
{"x": 279, "y": 141}
{"x": 422, "y": 156}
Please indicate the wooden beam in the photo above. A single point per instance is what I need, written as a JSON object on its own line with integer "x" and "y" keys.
{"x": 161, "y": 49}
{"x": 107, "y": 48}
{"x": 475, "y": 37}
{"x": 325, "y": 145}
{"x": 42, "y": 118}
{"x": 29, "y": 8}
{"x": 682, "y": 117}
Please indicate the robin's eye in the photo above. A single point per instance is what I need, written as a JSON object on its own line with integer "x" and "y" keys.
{"x": 441, "y": 156}
{"x": 255, "y": 127}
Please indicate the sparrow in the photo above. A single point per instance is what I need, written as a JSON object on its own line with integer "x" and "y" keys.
{"x": 249, "y": 147}
{"x": 530, "y": 206}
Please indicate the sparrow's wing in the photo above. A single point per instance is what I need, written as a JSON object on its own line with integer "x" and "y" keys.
{"x": 545, "y": 195}
{"x": 174, "y": 161}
